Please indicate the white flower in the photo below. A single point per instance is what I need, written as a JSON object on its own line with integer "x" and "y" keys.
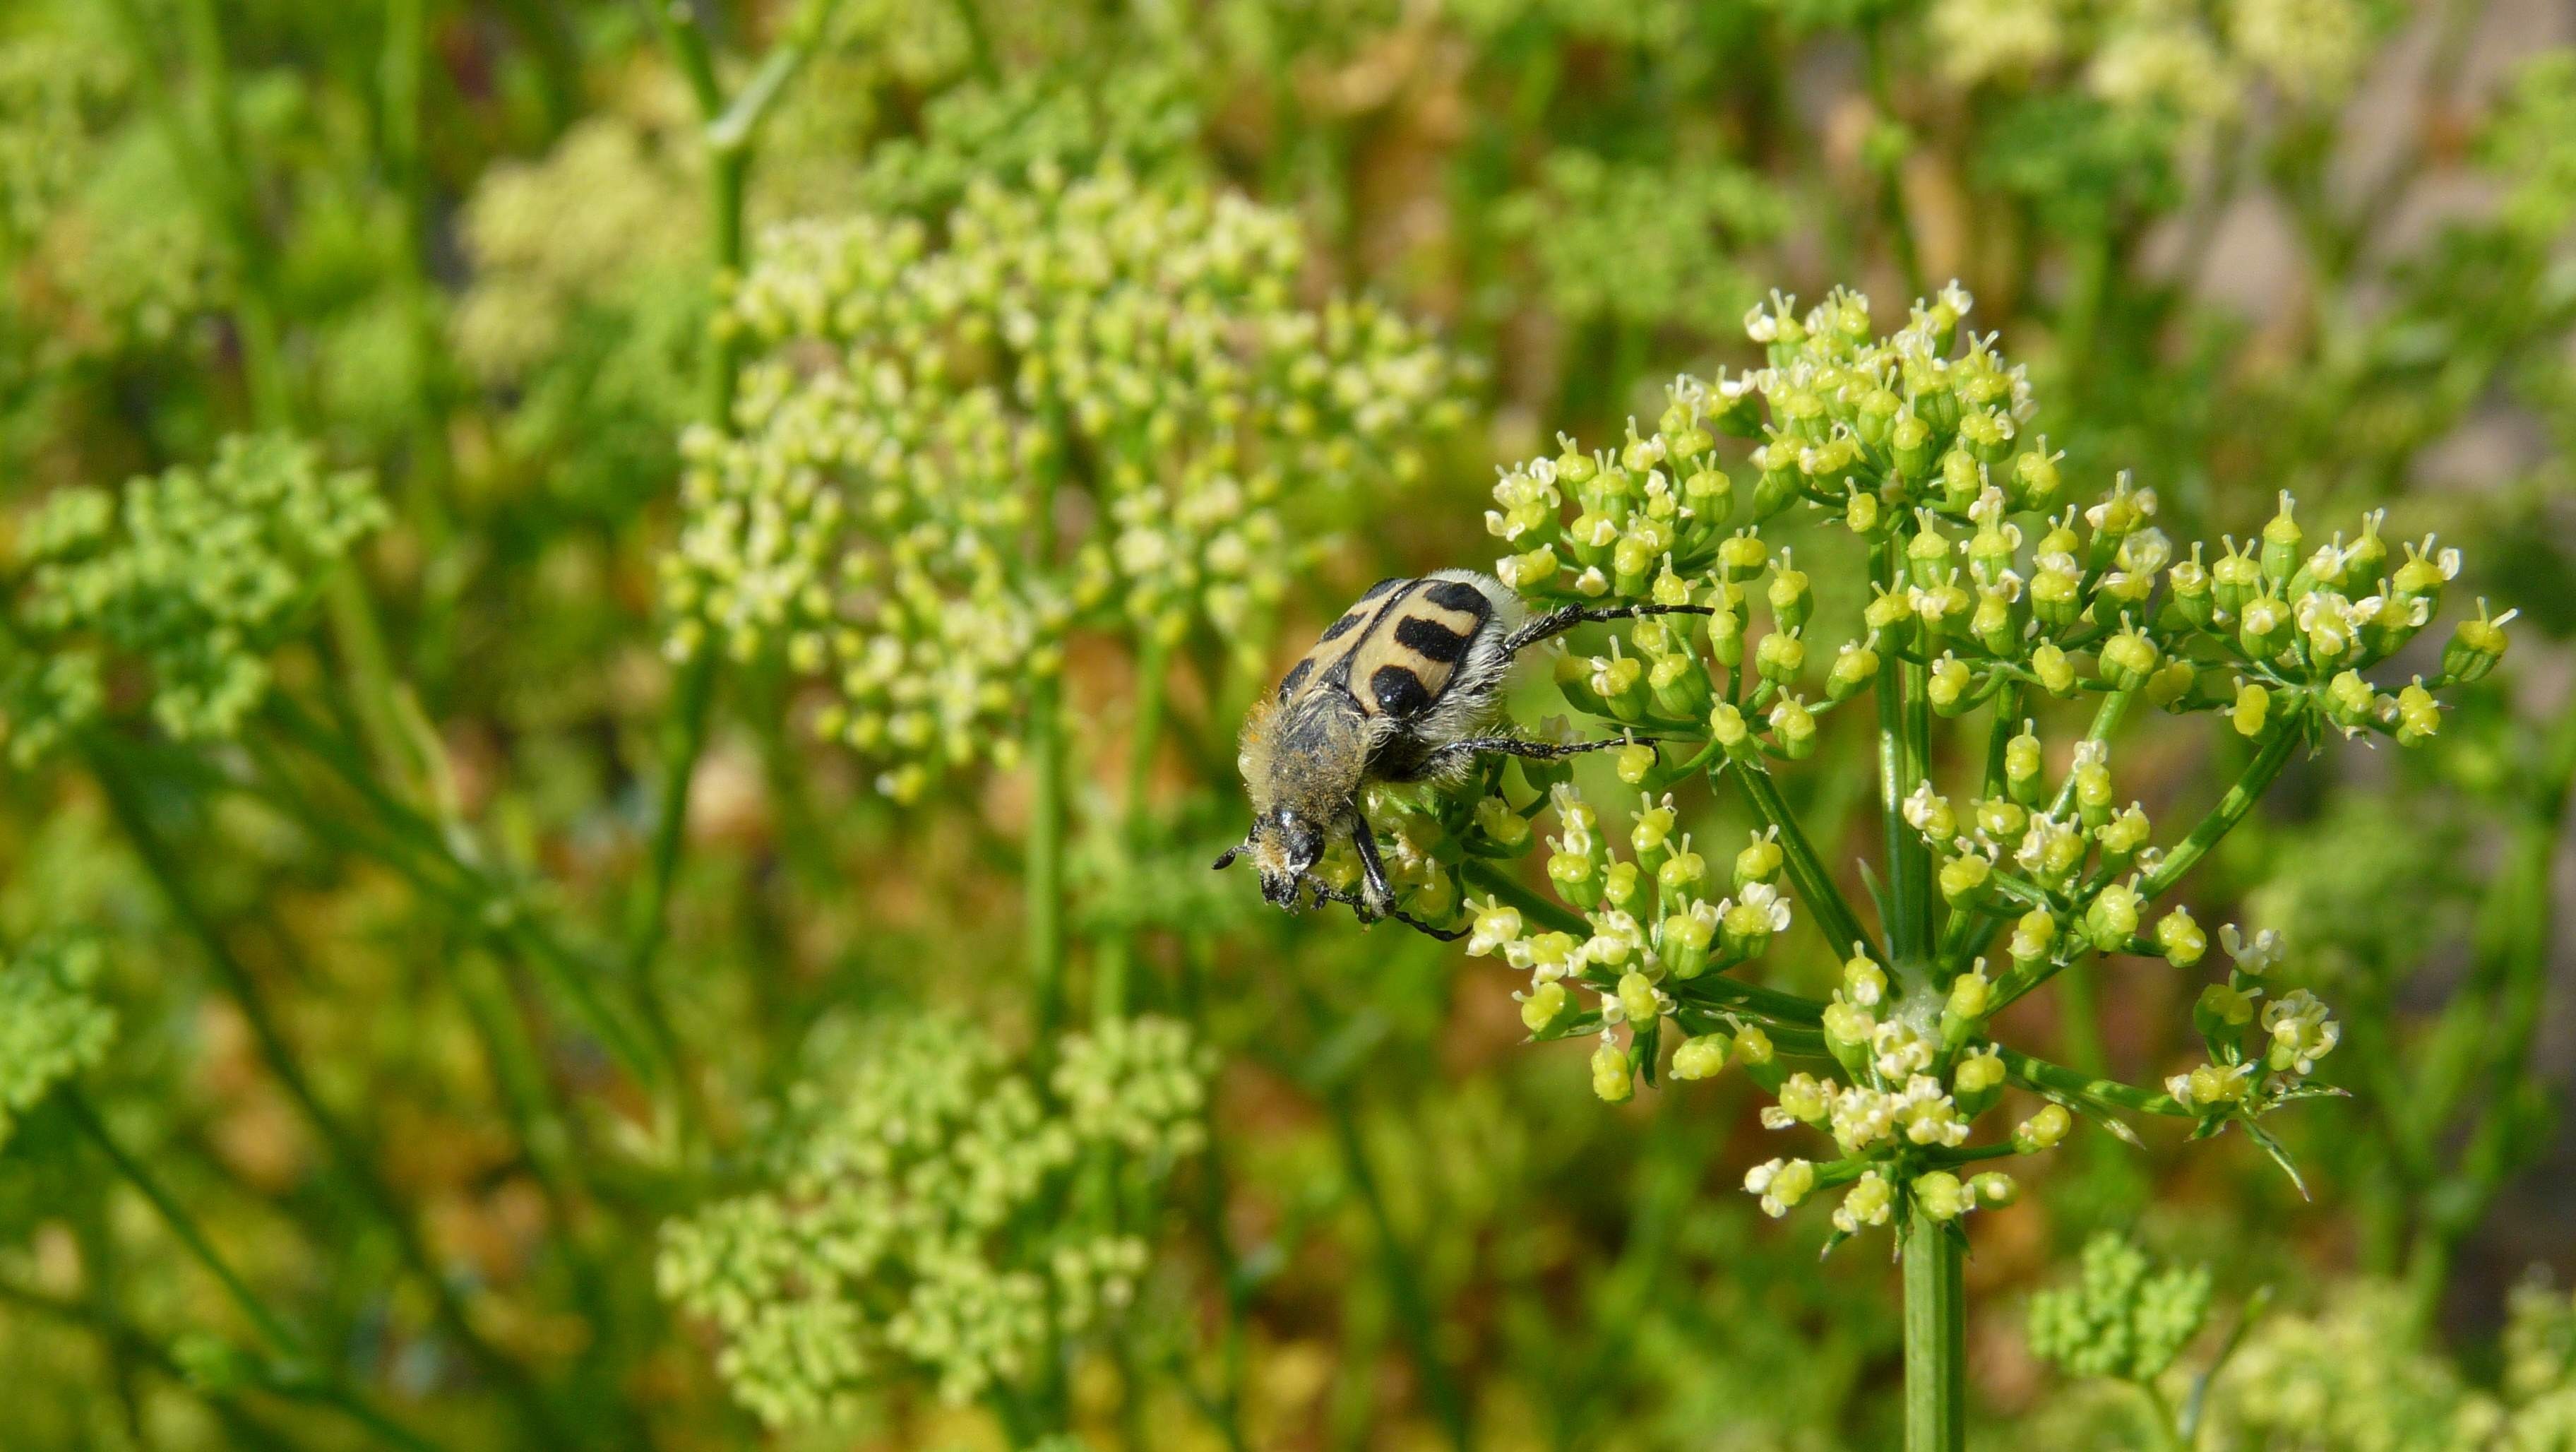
{"x": 2301, "y": 1032}
{"x": 1497, "y": 927}
{"x": 2256, "y": 956}
{"x": 1765, "y": 899}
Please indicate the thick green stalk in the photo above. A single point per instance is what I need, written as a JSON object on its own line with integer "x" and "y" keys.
{"x": 1833, "y": 914}
{"x": 731, "y": 133}
{"x": 1117, "y": 953}
{"x": 1043, "y": 879}
{"x": 1909, "y": 861}
{"x": 684, "y": 739}
{"x": 1936, "y": 1355}
{"x": 272, "y": 1328}
{"x": 1935, "y": 1302}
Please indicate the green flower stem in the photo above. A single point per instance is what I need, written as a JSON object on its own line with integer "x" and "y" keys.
{"x": 1198, "y": 953}
{"x": 1225, "y": 1410}
{"x": 732, "y": 129}
{"x": 400, "y": 77}
{"x": 1538, "y": 909}
{"x": 2106, "y": 719}
{"x": 2079, "y": 1016}
{"x": 2249, "y": 787}
{"x": 306, "y": 1380}
{"x": 1825, "y": 902}
{"x": 1909, "y": 861}
{"x": 1043, "y": 882}
{"x": 1767, "y": 1002}
{"x": 272, "y": 1327}
{"x": 125, "y": 1340}
{"x": 2054, "y": 1080}
{"x": 2160, "y": 1418}
{"x": 161, "y": 861}
{"x": 492, "y": 906}
{"x": 1936, "y": 1333}
{"x": 684, "y": 740}
{"x": 1116, "y": 954}
{"x": 1935, "y": 1301}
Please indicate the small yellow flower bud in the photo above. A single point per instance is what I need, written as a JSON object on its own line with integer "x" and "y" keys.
{"x": 2253, "y": 703}
{"x": 1940, "y": 1195}
{"x": 1637, "y": 998}
{"x": 1977, "y": 1074}
{"x": 1612, "y": 1077}
{"x": 1633, "y": 761}
{"x": 1700, "y": 1058}
{"x": 1546, "y": 1007}
{"x": 2042, "y": 1130}
{"x": 2056, "y": 673}
{"x": 2181, "y": 939}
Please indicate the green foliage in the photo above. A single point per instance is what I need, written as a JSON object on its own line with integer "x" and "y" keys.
{"x": 984, "y": 397}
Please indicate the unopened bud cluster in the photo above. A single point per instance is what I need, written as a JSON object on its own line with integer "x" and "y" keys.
{"x": 2123, "y": 1317}
{"x": 896, "y": 513}
{"x": 51, "y": 1028}
{"x": 1992, "y": 590}
{"x": 195, "y": 575}
{"x": 922, "y": 1216}
{"x": 2171, "y": 69}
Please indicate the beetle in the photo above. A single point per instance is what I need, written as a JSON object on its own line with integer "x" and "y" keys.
{"x": 1404, "y": 687}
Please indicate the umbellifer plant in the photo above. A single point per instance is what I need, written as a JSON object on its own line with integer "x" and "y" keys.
{"x": 1990, "y": 597}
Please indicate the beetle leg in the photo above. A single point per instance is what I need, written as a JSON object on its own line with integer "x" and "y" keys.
{"x": 1456, "y": 751}
{"x": 1557, "y": 622}
{"x": 1381, "y": 897}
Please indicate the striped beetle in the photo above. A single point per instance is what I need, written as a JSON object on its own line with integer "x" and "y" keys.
{"x": 1402, "y": 688}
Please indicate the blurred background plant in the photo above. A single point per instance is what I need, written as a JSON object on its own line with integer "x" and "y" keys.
{"x": 411, "y": 966}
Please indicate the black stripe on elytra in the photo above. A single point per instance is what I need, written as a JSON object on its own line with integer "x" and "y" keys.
{"x": 1380, "y": 588}
{"x": 1296, "y": 677}
{"x": 1460, "y": 596}
{"x": 1399, "y": 691}
{"x": 1430, "y": 639}
{"x": 1341, "y": 627}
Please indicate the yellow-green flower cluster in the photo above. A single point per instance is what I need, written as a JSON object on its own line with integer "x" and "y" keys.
{"x": 1086, "y": 400}
{"x": 1646, "y": 245}
{"x": 51, "y": 1028}
{"x": 2356, "y": 1372}
{"x": 921, "y": 1218}
{"x": 610, "y": 205}
{"x": 1141, "y": 1083}
{"x": 2156, "y": 58}
{"x": 2123, "y": 1317}
{"x": 48, "y": 90}
{"x": 197, "y": 574}
{"x": 1990, "y": 590}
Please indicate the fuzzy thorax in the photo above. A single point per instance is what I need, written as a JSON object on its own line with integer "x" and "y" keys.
{"x": 1306, "y": 760}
